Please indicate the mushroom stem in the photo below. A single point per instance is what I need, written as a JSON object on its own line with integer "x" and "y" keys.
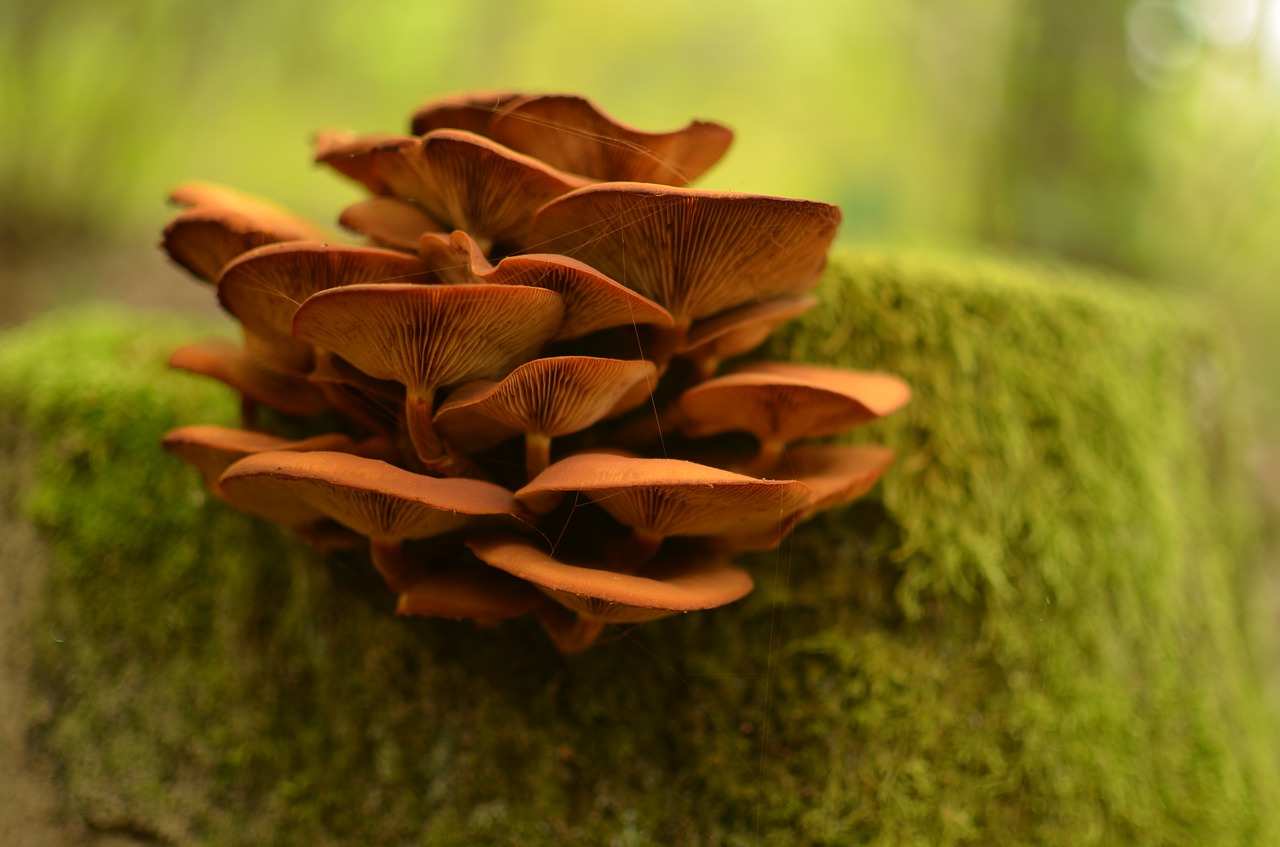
{"x": 396, "y": 568}
{"x": 640, "y": 548}
{"x": 766, "y": 458}
{"x": 537, "y": 453}
{"x": 248, "y": 412}
{"x": 666, "y": 342}
{"x": 570, "y": 632}
{"x": 432, "y": 450}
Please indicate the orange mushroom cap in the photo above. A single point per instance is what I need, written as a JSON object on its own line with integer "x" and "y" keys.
{"x": 389, "y": 222}
{"x": 575, "y": 135}
{"x": 470, "y": 111}
{"x": 212, "y": 449}
{"x": 783, "y": 402}
{"x": 220, "y": 223}
{"x": 462, "y": 180}
{"x": 680, "y": 582}
{"x": 230, "y": 363}
{"x": 697, "y": 253}
{"x": 476, "y": 593}
{"x": 667, "y": 497}
{"x": 836, "y": 473}
{"x": 374, "y": 498}
{"x": 264, "y": 287}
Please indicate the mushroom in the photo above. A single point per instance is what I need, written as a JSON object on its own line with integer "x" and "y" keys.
{"x": 385, "y": 503}
{"x": 683, "y": 581}
{"x": 430, "y": 337}
{"x": 573, "y": 134}
{"x": 264, "y": 287}
{"x": 470, "y": 111}
{"x": 836, "y": 473}
{"x": 220, "y": 223}
{"x": 659, "y": 498}
{"x": 230, "y": 363}
{"x": 592, "y": 301}
{"x": 779, "y": 403}
{"x": 389, "y": 222}
{"x": 697, "y": 253}
{"x": 544, "y": 399}
{"x": 462, "y": 180}
{"x": 738, "y": 331}
{"x": 212, "y": 449}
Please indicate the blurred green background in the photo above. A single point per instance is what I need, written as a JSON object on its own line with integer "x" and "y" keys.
{"x": 1135, "y": 135}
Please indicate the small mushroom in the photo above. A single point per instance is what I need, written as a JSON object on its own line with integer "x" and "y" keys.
{"x": 738, "y": 331}
{"x": 220, "y": 223}
{"x": 468, "y": 592}
{"x": 429, "y": 337}
{"x": 682, "y": 581}
{"x": 573, "y": 134}
{"x": 389, "y": 222}
{"x": 385, "y": 503}
{"x": 659, "y": 498}
{"x": 780, "y": 403}
{"x": 836, "y": 473}
{"x": 231, "y": 364}
{"x": 544, "y": 399}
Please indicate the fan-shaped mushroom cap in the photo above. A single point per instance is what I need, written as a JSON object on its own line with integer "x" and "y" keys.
{"x": 390, "y": 222}
{"x": 592, "y": 301}
{"x": 264, "y": 287}
{"x": 836, "y": 473}
{"x": 230, "y": 363}
{"x": 675, "y": 583}
{"x": 476, "y": 593}
{"x": 213, "y": 449}
{"x": 552, "y": 397}
{"x": 738, "y": 331}
{"x": 666, "y": 497}
{"x": 780, "y": 403}
{"x": 573, "y": 134}
{"x": 462, "y": 180}
{"x": 220, "y": 223}
{"x": 430, "y": 337}
{"x": 470, "y": 111}
{"x": 698, "y": 253}
{"x": 374, "y": 498}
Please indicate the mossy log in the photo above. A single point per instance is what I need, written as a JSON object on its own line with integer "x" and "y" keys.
{"x": 1044, "y": 626}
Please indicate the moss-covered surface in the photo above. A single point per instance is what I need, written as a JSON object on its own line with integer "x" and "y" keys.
{"x": 1038, "y": 630}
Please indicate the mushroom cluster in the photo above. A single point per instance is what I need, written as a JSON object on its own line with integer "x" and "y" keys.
{"x": 523, "y": 354}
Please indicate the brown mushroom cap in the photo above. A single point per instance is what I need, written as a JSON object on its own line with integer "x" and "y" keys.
{"x": 213, "y": 449}
{"x": 264, "y": 287}
{"x": 388, "y": 221}
{"x": 698, "y": 253}
{"x": 470, "y": 111}
{"x": 673, "y": 584}
{"x": 230, "y": 363}
{"x": 592, "y": 301}
{"x": 779, "y": 403}
{"x": 220, "y": 223}
{"x": 374, "y": 498}
{"x": 553, "y": 396}
{"x": 573, "y": 134}
{"x": 462, "y": 180}
{"x": 739, "y": 330}
{"x": 668, "y": 497}
{"x": 836, "y": 473}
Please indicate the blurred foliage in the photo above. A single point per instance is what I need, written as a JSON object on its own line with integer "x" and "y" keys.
{"x": 1136, "y": 134}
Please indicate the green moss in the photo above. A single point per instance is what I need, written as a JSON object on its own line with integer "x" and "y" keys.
{"x": 1036, "y": 631}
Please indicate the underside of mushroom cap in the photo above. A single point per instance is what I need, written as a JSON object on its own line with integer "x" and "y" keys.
{"x": 230, "y": 363}
{"x": 212, "y": 449}
{"x": 573, "y": 134}
{"x": 669, "y": 497}
{"x": 428, "y": 337}
{"x": 469, "y": 592}
{"x": 697, "y": 253}
{"x": 683, "y": 581}
{"x": 372, "y": 497}
{"x": 789, "y": 402}
{"x": 389, "y": 221}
